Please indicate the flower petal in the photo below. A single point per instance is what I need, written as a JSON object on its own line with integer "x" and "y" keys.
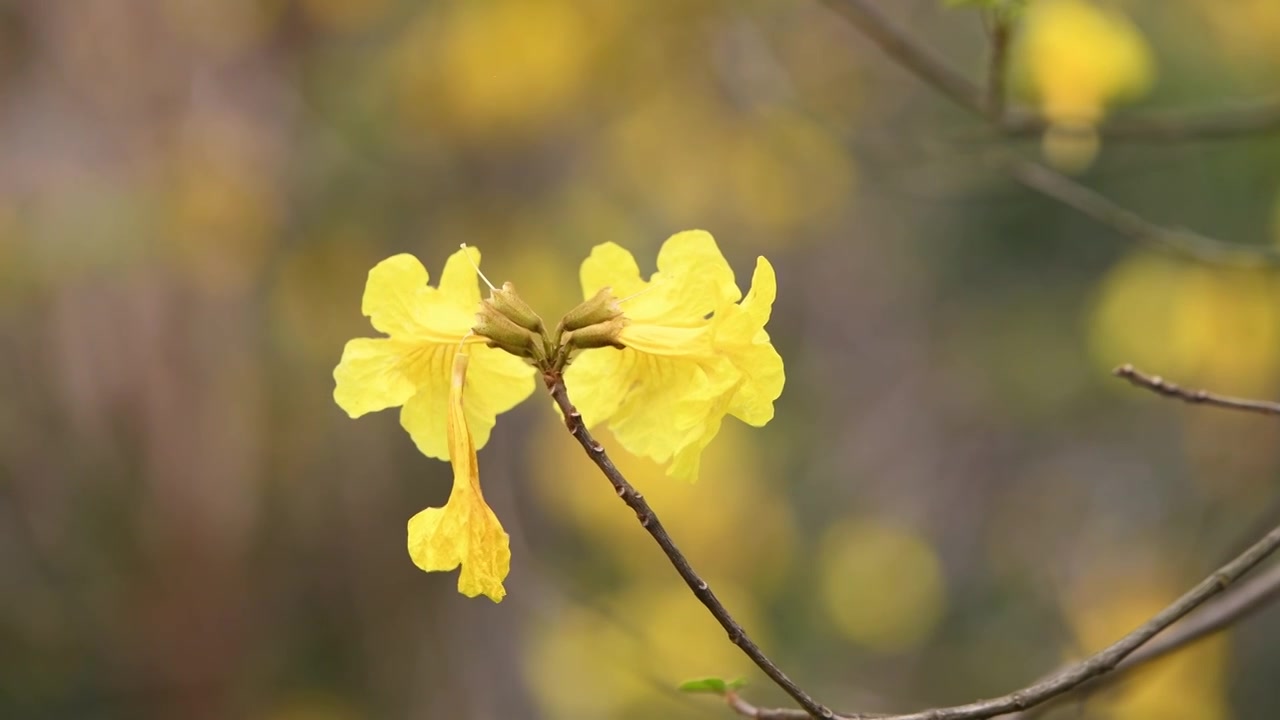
{"x": 598, "y": 380}
{"x": 495, "y": 383}
{"x": 459, "y": 283}
{"x": 691, "y": 250}
{"x": 392, "y": 294}
{"x": 609, "y": 265}
{"x": 465, "y": 532}
{"x": 740, "y": 335}
{"x": 369, "y": 378}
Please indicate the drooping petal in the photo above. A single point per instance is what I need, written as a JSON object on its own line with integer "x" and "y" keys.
{"x": 425, "y": 414}
{"x": 369, "y": 378}
{"x": 465, "y": 532}
{"x": 496, "y": 382}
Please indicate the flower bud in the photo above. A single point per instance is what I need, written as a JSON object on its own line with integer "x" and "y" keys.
{"x": 602, "y": 334}
{"x": 601, "y": 308}
{"x": 514, "y": 308}
{"x": 503, "y": 333}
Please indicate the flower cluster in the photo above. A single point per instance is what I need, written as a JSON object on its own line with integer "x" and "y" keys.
{"x": 661, "y": 362}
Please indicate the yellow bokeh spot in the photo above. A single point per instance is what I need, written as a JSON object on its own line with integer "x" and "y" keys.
{"x": 492, "y": 66}
{"x": 775, "y": 170}
{"x": 621, "y": 668}
{"x": 1077, "y": 57}
{"x": 881, "y": 585}
{"x": 1199, "y": 325}
{"x": 728, "y": 517}
{"x": 1188, "y": 685}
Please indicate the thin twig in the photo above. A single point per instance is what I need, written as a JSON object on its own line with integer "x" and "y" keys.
{"x": 1175, "y": 126}
{"x": 1157, "y": 384}
{"x": 1130, "y": 224}
{"x": 1243, "y": 600}
{"x": 1098, "y": 664}
{"x": 1001, "y": 32}
{"x": 649, "y": 521}
{"x": 905, "y": 51}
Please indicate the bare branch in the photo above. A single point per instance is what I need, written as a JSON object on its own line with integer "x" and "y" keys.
{"x": 905, "y": 51}
{"x": 1252, "y": 595}
{"x": 1130, "y": 224}
{"x": 1100, "y": 663}
{"x": 1174, "y": 126}
{"x": 649, "y": 521}
{"x": 1159, "y": 385}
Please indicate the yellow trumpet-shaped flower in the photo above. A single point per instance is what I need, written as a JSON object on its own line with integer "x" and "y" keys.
{"x": 464, "y": 532}
{"x": 426, "y": 326}
{"x": 691, "y": 353}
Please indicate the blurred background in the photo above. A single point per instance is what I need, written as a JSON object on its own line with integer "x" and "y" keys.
{"x": 953, "y": 498}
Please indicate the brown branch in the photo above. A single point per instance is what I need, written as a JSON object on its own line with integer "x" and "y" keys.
{"x": 1248, "y": 597}
{"x": 1098, "y": 664}
{"x": 1130, "y": 224}
{"x": 905, "y": 51}
{"x": 649, "y": 521}
{"x": 1159, "y": 385}
{"x": 1174, "y": 126}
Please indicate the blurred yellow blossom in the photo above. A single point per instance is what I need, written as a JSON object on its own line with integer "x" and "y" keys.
{"x": 465, "y": 532}
{"x": 691, "y": 355}
{"x": 1205, "y": 326}
{"x": 494, "y": 67}
{"x": 881, "y": 585}
{"x": 626, "y": 669}
{"x": 1078, "y": 57}
{"x": 412, "y": 367}
{"x": 751, "y": 533}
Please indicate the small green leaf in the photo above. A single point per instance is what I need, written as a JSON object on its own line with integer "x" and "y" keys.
{"x": 711, "y": 685}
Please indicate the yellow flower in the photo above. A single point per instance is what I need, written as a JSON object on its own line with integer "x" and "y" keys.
{"x": 691, "y": 354}
{"x": 465, "y": 531}
{"x": 426, "y": 327}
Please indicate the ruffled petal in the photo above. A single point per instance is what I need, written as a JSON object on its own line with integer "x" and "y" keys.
{"x": 369, "y": 377}
{"x": 695, "y": 250}
{"x": 392, "y": 294}
{"x": 667, "y": 404}
{"x": 740, "y": 336}
{"x": 609, "y": 265}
